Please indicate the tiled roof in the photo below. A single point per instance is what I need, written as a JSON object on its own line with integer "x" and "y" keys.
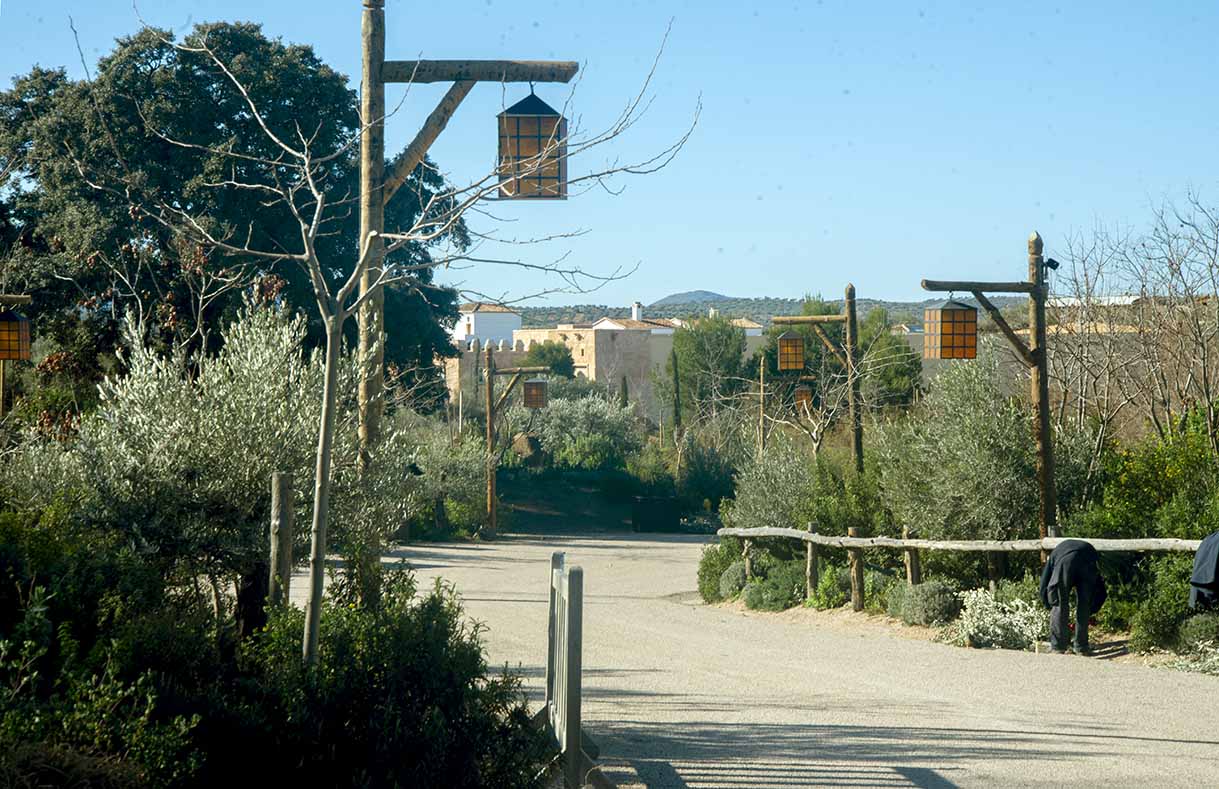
{"x": 481, "y": 306}
{"x": 647, "y": 323}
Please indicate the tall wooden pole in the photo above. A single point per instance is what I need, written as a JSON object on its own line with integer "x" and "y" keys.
{"x": 489, "y": 529}
{"x": 853, "y": 402}
{"x": 372, "y": 219}
{"x": 1040, "y": 390}
{"x": 2, "y": 387}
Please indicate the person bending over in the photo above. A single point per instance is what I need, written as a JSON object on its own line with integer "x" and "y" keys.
{"x": 1072, "y": 565}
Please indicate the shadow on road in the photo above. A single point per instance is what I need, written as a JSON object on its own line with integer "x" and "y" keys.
{"x": 696, "y": 743}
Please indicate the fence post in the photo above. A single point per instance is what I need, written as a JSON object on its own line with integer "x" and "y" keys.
{"x": 856, "y": 555}
{"x": 914, "y": 570}
{"x": 283, "y": 513}
{"x": 748, "y": 562}
{"x": 573, "y": 746}
{"x": 811, "y": 574}
{"x": 992, "y": 570}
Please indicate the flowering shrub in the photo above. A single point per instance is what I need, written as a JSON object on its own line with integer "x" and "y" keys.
{"x": 988, "y": 622}
{"x": 1204, "y": 659}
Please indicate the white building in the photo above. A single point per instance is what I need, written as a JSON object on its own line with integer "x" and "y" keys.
{"x": 485, "y": 322}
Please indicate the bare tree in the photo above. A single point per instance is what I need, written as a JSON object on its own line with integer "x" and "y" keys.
{"x": 1093, "y": 355}
{"x": 1136, "y": 326}
{"x": 296, "y": 179}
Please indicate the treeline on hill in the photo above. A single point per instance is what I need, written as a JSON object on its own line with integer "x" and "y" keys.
{"x": 761, "y": 310}
{"x": 166, "y": 385}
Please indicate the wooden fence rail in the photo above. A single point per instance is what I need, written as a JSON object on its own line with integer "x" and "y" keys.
{"x": 855, "y": 546}
{"x": 981, "y": 546}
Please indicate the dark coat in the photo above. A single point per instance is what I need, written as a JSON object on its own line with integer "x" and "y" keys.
{"x": 1072, "y": 564}
{"x": 1204, "y": 583}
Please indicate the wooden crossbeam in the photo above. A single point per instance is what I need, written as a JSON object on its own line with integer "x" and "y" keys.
{"x": 990, "y": 287}
{"x": 521, "y": 370}
{"x": 829, "y": 344}
{"x": 421, "y": 71}
{"x": 503, "y": 397}
{"x": 14, "y": 300}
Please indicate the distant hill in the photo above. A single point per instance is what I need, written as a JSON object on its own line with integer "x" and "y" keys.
{"x": 761, "y": 310}
{"x": 690, "y": 297}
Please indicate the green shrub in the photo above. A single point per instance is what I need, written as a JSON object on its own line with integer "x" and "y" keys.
{"x": 707, "y": 475}
{"x": 895, "y": 601}
{"x": 43, "y": 764}
{"x": 830, "y": 592}
{"x": 1166, "y": 605}
{"x": 780, "y": 589}
{"x": 930, "y": 603}
{"x": 732, "y": 581}
{"x": 1028, "y": 589}
{"x": 74, "y": 712}
{"x": 590, "y": 433}
{"x": 1197, "y": 631}
{"x": 877, "y": 588}
{"x": 716, "y": 558}
{"x": 402, "y": 696}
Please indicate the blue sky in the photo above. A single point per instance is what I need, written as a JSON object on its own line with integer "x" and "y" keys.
{"x": 875, "y": 142}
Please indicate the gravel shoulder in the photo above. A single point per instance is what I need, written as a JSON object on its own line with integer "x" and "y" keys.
{"x": 681, "y": 694}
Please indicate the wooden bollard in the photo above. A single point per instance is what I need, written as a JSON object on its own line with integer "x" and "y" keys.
{"x": 856, "y": 556}
{"x": 282, "y": 517}
{"x": 748, "y": 562}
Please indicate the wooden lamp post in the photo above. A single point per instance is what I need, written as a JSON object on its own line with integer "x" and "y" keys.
{"x": 377, "y": 187}
{"x": 535, "y": 397}
{"x": 848, "y": 355}
{"x": 1033, "y": 354}
{"x": 14, "y": 339}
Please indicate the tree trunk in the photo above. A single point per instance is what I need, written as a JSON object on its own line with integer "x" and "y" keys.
{"x": 321, "y": 490}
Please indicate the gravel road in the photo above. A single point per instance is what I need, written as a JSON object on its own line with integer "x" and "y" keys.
{"x": 680, "y": 694}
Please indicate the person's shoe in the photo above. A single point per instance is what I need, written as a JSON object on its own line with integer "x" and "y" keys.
{"x": 1058, "y": 650}
{"x": 1083, "y": 651}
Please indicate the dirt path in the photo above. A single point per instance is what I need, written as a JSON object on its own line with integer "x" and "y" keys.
{"x": 680, "y": 694}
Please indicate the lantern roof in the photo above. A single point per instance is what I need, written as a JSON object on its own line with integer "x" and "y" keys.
{"x": 790, "y": 335}
{"x": 531, "y": 105}
{"x": 951, "y": 305}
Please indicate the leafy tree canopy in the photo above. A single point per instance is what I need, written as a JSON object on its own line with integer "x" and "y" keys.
{"x": 710, "y": 354}
{"x": 158, "y": 115}
{"x": 552, "y": 354}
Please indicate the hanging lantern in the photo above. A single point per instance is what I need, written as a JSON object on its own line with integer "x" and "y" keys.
{"x": 804, "y": 398}
{"x": 535, "y": 393}
{"x": 791, "y": 352}
{"x": 532, "y": 151}
{"x": 14, "y": 337}
{"x": 950, "y": 331}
